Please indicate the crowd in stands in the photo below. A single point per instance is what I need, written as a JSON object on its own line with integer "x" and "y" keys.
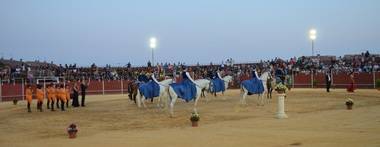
{"x": 11, "y": 70}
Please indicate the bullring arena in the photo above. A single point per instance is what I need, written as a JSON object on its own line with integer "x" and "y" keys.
{"x": 132, "y": 73}
{"x": 316, "y": 118}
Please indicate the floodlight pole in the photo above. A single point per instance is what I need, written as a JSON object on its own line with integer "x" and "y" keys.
{"x": 152, "y": 57}
{"x": 312, "y": 47}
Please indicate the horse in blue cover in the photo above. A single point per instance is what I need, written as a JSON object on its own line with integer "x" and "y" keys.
{"x": 255, "y": 85}
{"x": 187, "y": 90}
{"x": 220, "y": 84}
{"x": 151, "y": 90}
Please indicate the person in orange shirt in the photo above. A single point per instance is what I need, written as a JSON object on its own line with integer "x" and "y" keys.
{"x": 62, "y": 96}
{"x": 51, "y": 96}
{"x": 57, "y": 95}
{"x": 40, "y": 97}
{"x": 67, "y": 92}
{"x": 29, "y": 96}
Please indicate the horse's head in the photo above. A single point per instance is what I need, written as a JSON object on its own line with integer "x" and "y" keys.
{"x": 207, "y": 83}
{"x": 203, "y": 83}
{"x": 228, "y": 79}
{"x": 265, "y": 76}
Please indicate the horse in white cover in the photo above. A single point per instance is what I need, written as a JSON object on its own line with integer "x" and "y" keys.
{"x": 164, "y": 85}
{"x": 260, "y": 98}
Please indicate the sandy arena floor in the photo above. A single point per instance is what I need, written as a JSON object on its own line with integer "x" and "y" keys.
{"x": 316, "y": 118}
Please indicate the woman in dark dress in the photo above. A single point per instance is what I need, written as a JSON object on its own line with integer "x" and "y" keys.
{"x": 75, "y": 95}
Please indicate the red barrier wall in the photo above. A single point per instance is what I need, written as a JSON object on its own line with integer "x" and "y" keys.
{"x": 11, "y": 91}
{"x": 340, "y": 80}
{"x": 302, "y": 80}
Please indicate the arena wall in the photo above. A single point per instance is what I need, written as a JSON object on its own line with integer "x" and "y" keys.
{"x": 11, "y": 91}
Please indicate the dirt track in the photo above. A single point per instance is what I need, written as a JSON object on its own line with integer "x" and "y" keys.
{"x": 316, "y": 118}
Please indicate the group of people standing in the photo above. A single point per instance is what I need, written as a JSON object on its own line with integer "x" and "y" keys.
{"x": 57, "y": 95}
{"x": 351, "y": 85}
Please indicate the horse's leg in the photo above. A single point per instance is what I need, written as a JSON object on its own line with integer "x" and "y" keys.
{"x": 138, "y": 99}
{"x": 130, "y": 92}
{"x": 196, "y": 100}
{"x": 172, "y": 103}
{"x": 261, "y": 99}
{"x": 242, "y": 101}
{"x": 207, "y": 99}
{"x": 173, "y": 96}
{"x": 166, "y": 98}
{"x": 143, "y": 100}
{"x": 134, "y": 95}
{"x": 258, "y": 100}
{"x": 159, "y": 101}
{"x": 264, "y": 99}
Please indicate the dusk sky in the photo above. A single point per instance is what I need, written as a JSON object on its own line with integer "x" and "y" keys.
{"x": 117, "y": 31}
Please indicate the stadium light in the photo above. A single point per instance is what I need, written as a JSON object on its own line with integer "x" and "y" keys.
{"x": 153, "y": 45}
{"x": 312, "y": 36}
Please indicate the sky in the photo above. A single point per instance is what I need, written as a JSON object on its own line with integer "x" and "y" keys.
{"x": 117, "y": 31}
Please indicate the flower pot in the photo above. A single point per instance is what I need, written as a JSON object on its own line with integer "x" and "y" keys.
{"x": 349, "y": 107}
{"x": 194, "y": 123}
{"x": 280, "y": 91}
{"x": 72, "y": 134}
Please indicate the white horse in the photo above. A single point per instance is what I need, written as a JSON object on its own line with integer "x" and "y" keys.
{"x": 173, "y": 96}
{"x": 260, "y": 98}
{"x": 163, "y": 92}
{"x": 204, "y": 84}
{"x": 226, "y": 80}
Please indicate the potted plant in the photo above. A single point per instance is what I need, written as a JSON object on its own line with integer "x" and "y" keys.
{"x": 281, "y": 88}
{"x": 349, "y": 103}
{"x": 72, "y": 130}
{"x": 377, "y": 84}
{"x": 194, "y": 118}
